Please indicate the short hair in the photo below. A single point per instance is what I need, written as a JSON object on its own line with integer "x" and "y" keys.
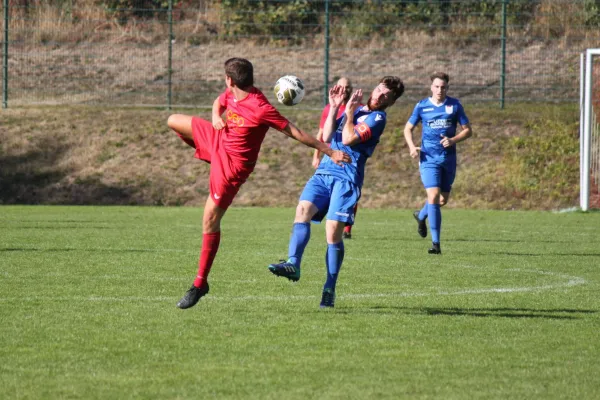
{"x": 240, "y": 71}
{"x": 440, "y": 75}
{"x": 395, "y": 85}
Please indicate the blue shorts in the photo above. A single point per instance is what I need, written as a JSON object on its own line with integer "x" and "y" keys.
{"x": 334, "y": 198}
{"x": 438, "y": 174}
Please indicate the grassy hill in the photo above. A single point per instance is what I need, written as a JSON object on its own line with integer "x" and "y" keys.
{"x": 523, "y": 157}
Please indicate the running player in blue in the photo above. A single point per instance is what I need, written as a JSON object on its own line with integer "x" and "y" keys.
{"x": 333, "y": 190}
{"x": 440, "y": 116}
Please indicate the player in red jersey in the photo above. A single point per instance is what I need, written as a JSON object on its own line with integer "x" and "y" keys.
{"x": 231, "y": 147}
{"x": 346, "y": 86}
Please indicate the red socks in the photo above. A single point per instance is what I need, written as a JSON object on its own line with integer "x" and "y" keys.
{"x": 210, "y": 246}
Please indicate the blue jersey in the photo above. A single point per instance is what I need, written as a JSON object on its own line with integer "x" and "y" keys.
{"x": 438, "y": 121}
{"x": 368, "y": 125}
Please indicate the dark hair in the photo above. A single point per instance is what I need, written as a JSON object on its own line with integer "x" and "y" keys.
{"x": 240, "y": 71}
{"x": 440, "y": 75}
{"x": 395, "y": 84}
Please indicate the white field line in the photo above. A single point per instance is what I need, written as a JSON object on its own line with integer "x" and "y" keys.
{"x": 569, "y": 281}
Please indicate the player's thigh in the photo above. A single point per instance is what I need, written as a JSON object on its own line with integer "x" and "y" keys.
{"x": 431, "y": 174}
{"x": 317, "y": 192}
{"x": 344, "y": 197}
{"x": 181, "y": 124}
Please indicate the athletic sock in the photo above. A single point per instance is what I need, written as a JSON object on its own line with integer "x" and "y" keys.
{"x": 423, "y": 213}
{"x": 333, "y": 260}
{"x": 210, "y": 246}
{"x": 435, "y": 222}
{"x": 348, "y": 229}
{"x": 298, "y": 242}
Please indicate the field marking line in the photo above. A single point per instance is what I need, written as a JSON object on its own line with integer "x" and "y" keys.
{"x": 570, "y": 282}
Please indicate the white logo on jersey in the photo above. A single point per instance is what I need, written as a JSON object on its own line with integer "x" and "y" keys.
{"x": 378, "y": 117}
{"x": 449, "y": 109}
{"x": 427, "y": 109}
{"x": 362, "y": 118}
{"x": 439, "y": 123}
{"x": 342, "y": 214}
{"x": 217, "y": 197}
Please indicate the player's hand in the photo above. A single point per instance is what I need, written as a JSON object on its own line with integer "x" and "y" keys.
{"x": 218, "y": 123}
{"x": 339, "y": 157}
{"x": 414, "y": 152}
{"x": 336, "y": 96}
{"x": 354, "y": 101}
{"x": 446, "y": 141}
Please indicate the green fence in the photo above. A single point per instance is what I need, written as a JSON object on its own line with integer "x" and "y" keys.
{"x": 170, "y": 53}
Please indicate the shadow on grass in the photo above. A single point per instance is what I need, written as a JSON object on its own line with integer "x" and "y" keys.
{"x": 36, "y": 177}
{"x": 559, "y": 313}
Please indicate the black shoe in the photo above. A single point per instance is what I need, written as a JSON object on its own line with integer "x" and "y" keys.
{"x": 435, "y": 249}
{"x": 422, "y": 227}
{"x": 347, "y": 235}
{"x": 328, "y": 298}
{"x": 285, "y": 269}
{"x": 191, "y": 297}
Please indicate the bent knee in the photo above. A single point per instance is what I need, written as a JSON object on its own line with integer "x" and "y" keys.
{"x": 304, "y": 211}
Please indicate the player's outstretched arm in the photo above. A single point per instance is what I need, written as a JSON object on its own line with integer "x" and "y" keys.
{"x": 336, "y": 156}
{"x": 336, "y": 98}
{"x": 317, "y": 155}
{"x": 408, "y": 136}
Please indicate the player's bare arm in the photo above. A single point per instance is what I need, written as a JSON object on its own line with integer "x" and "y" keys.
{"x": 336, "y": 98}
{"x": 464, "y": 134}
{"x": 349, "y": 137}
{"x": 338, "y": 157}
{"x": 317, "y": 155}
{"x": 217, "y": 111}
{"x": 408, "y": 136}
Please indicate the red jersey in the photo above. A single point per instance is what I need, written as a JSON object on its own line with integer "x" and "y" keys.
{"x": 326, "y": 113}
{"x": 248, "y": 121}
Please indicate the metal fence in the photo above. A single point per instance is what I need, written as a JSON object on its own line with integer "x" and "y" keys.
{"x": 171, "y": 54}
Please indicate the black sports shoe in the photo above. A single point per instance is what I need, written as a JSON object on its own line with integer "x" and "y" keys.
{"x": 191, "y": 297}
{"x": 422, "y": 228}
{"x": 347, "y": 235}
{"x": 435, "y": 249}
{"x": 328, "y": 298}
{"x": 285, "y": 269}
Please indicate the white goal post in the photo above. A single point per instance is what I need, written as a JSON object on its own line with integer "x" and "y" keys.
{"x": 589, "y": 129}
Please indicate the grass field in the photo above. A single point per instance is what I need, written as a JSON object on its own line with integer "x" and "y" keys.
{"x": 511, "y": 310}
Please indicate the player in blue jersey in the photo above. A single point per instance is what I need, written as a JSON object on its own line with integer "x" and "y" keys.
{"x": 440, "y": 116}
{"x": 333, "y": 190}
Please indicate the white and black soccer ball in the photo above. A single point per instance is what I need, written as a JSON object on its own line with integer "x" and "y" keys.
{"x": 289, "y": 90}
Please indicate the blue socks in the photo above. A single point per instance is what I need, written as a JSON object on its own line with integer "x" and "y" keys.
{"x": 298, "y": 242}
{"x": 423, "y": 212}
{"x": 435, "y": 221}
{"x": 333, "y": 259}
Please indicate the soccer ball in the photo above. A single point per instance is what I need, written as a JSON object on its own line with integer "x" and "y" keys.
{"x": 289, "y": 90}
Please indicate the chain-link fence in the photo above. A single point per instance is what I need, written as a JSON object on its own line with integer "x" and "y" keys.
{"x": 171, "y": 53}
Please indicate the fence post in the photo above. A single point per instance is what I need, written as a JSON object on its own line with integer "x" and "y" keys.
{"x": 503, "y": 61}
{"x": 170, "y": 62}
{"x": 326, "y": 67}
{"x": 5, "y": 59}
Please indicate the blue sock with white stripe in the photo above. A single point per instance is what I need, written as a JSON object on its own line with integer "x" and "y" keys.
{"x": 298, "y": 242}
{"x": 333, "y": 260}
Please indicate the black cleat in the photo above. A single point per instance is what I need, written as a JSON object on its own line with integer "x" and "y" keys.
{"x": 435, "y": 249}
{"x": 285, "y": 269}
{"x": 347, "y": 235}
{"x": 191, "y": 297}
{"x": 422, "y": 227}
{"x": 328, "y": 298}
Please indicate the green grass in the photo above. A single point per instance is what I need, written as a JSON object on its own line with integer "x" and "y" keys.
{"x": 87, "y": 307}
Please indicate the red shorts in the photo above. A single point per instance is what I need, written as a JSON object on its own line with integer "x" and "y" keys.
{"x": 226, "y": 174}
